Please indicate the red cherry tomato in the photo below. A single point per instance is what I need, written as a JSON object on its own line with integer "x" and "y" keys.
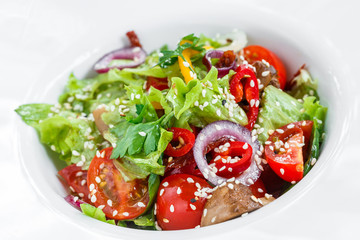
{"x": 75, "y": 178}
{"x": 284, "y": 150}
{"x": 180, "y": 201}
{"x": 108, "y": 190}
{"x": 232, "y": 159}
{"x": 158, "y": 83}
{"x": 182, "y": 142}
{"x": 257, "y": 53}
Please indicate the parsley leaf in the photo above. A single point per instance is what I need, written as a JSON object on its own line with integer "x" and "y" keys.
{"x": 171, "y": 56}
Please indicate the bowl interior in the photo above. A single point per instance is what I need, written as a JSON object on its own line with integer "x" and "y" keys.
{"x": 295, "y": 46}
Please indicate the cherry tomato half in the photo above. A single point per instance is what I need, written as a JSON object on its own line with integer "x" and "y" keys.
{"x": 284, "y": 150}
{"x": 257, "y": 53}
{"x": 184, "y": 164}
{"x": 108, "y": 190}
{"x": 180, "y": 201}
{"x": 76, "y": 179}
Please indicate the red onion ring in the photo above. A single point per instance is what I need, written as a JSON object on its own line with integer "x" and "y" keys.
{"x": 136, "y": 54}
{"x": 222, "y": 71}
{"x": 215, "y": 131}
{"x": 73, "y": 201}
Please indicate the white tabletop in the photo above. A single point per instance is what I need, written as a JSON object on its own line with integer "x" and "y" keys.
{"x": 330, "y": 210}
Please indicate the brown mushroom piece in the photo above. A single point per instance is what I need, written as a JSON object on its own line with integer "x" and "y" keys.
{"x": 100, "y": 124}
{"x": 230, "y": 201}
{"x": 267, "y": 75}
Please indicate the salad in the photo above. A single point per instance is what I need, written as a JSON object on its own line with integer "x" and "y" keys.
{"x": 182, "y": 138}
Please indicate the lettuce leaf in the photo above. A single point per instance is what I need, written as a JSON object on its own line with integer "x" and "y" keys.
{"x": 278, "y": 109}
{"x": 203, "y": 101}
{"x": 72, "y": 135}
{"x": 96, "y": 213}
{"x": 304, "y": 85}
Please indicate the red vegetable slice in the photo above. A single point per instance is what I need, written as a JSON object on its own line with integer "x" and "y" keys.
{"x": 180, "y": 201}
{"x": 133, "y": 38}
{"x": 232, "y": 159}
{"x": 118, "y": 199}
{"x": 182, "y": 143}
{"x": 76, "y": 179}
{"x": 184, "y": 164}
{"x": 158, "y": 83}
{"x": 245, "y": 78}
{"x": 284, "y": 150}
{"x": 216, "y": 131}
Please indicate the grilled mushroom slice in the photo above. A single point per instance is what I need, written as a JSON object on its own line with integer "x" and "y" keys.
{"x": 230, "y": 201}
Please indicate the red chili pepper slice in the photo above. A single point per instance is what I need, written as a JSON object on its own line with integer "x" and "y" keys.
{"x": 184, "y": 164}
{"x": 133, "y": 38}
{"x": 182, "y": 142}
{"x": 245, "y": 81}
{"x": 232, "y": 159}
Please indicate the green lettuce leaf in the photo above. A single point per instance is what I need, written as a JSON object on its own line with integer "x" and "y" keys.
{"x": 304, "y": 85}
{"x": 203, "y": 101}
{"x": 96, "y": 213}
{"x": 70, "y": 134}
{"x": 278, "y": 109}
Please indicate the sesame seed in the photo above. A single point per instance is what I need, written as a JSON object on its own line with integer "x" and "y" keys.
{"x": 196, "y": 103}
{"x": 217, "y": 127}
{"x": 313, "y": 161}
{"x": 280, "y": 131}
{"x": 270, "y": 131}
{"x": 205, "y": 212}
{"x": 137, "y": 96}
{"x": 250, "y": 181}
{"x": 97, "y": 179}
{"x": 277, "y": 103}
{"x": 165, "y": 220}
{"x": 252, "y": 102}
{"x": 222, "y": 168}
{"x": 252, "y": 84}
{"x": 218, "y": 112}
{"x": 231, "y": 186}
{"x": 101, "y": 207}
{"x": 161, "y": 192}
{"x": 257, "y": 103}
{"x": 53, "y": 147}
{"x": 186, "y": 64}
{"x": 213, "y": 219}
{"x": 293, "y": 182}
{"x": 254, "y": 198}
{"x": 83, "y": 182}
{"x": 190, "y": 180}
{"x": 260, "y": 190}
{"x": 244, "y": 214}
{"x": 126, "y": 214}
{"x": 75, "y": 153}
{"x": 102, "y": 165}
{"x": 165, "y": 184}
{"x": 214, "y": 101}
{"x": 93, "y": 198}
{"x": 290, "y": 126}
{"x": 267, "y": 196}
{"x": 265, "y": 73}
{"x": 267, "y": 142}
{"x": 271, "y": 148}
{"x": 203, "y": 92}
{"x": 245, "y": 146}
{"x": 98, "y": 154}
{"x": 81, "y": 195}
{"x": 91, "y": 187}
{"x": 205, "y": 104}
{"x": 79, "y": 173}
{"x": 178, "y": 191}
{"x": 109, "y": 202}
{"x": 141, "y": 204}
{"x": 282, "y": 171}
{"x": 143, "y": 134}
{"x": 230, "y": 169}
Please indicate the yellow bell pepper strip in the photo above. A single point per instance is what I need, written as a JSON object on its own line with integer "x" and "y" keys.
{"x": 186, "y": 67}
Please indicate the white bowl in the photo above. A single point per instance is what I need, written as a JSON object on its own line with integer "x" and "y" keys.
{"x": 294, "y": 43}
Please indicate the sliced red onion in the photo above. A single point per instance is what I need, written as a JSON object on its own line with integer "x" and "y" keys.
{"x": 212, "y": 133}
{"x": 136, "y": 54}
{"x": 74, "y": 201}
{"x": 222, "y": 71}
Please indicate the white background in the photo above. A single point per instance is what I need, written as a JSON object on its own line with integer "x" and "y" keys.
{"x": 29, "y": 29}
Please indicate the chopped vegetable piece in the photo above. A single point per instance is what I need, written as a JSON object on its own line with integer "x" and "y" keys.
{"x": 182, "y": 143}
